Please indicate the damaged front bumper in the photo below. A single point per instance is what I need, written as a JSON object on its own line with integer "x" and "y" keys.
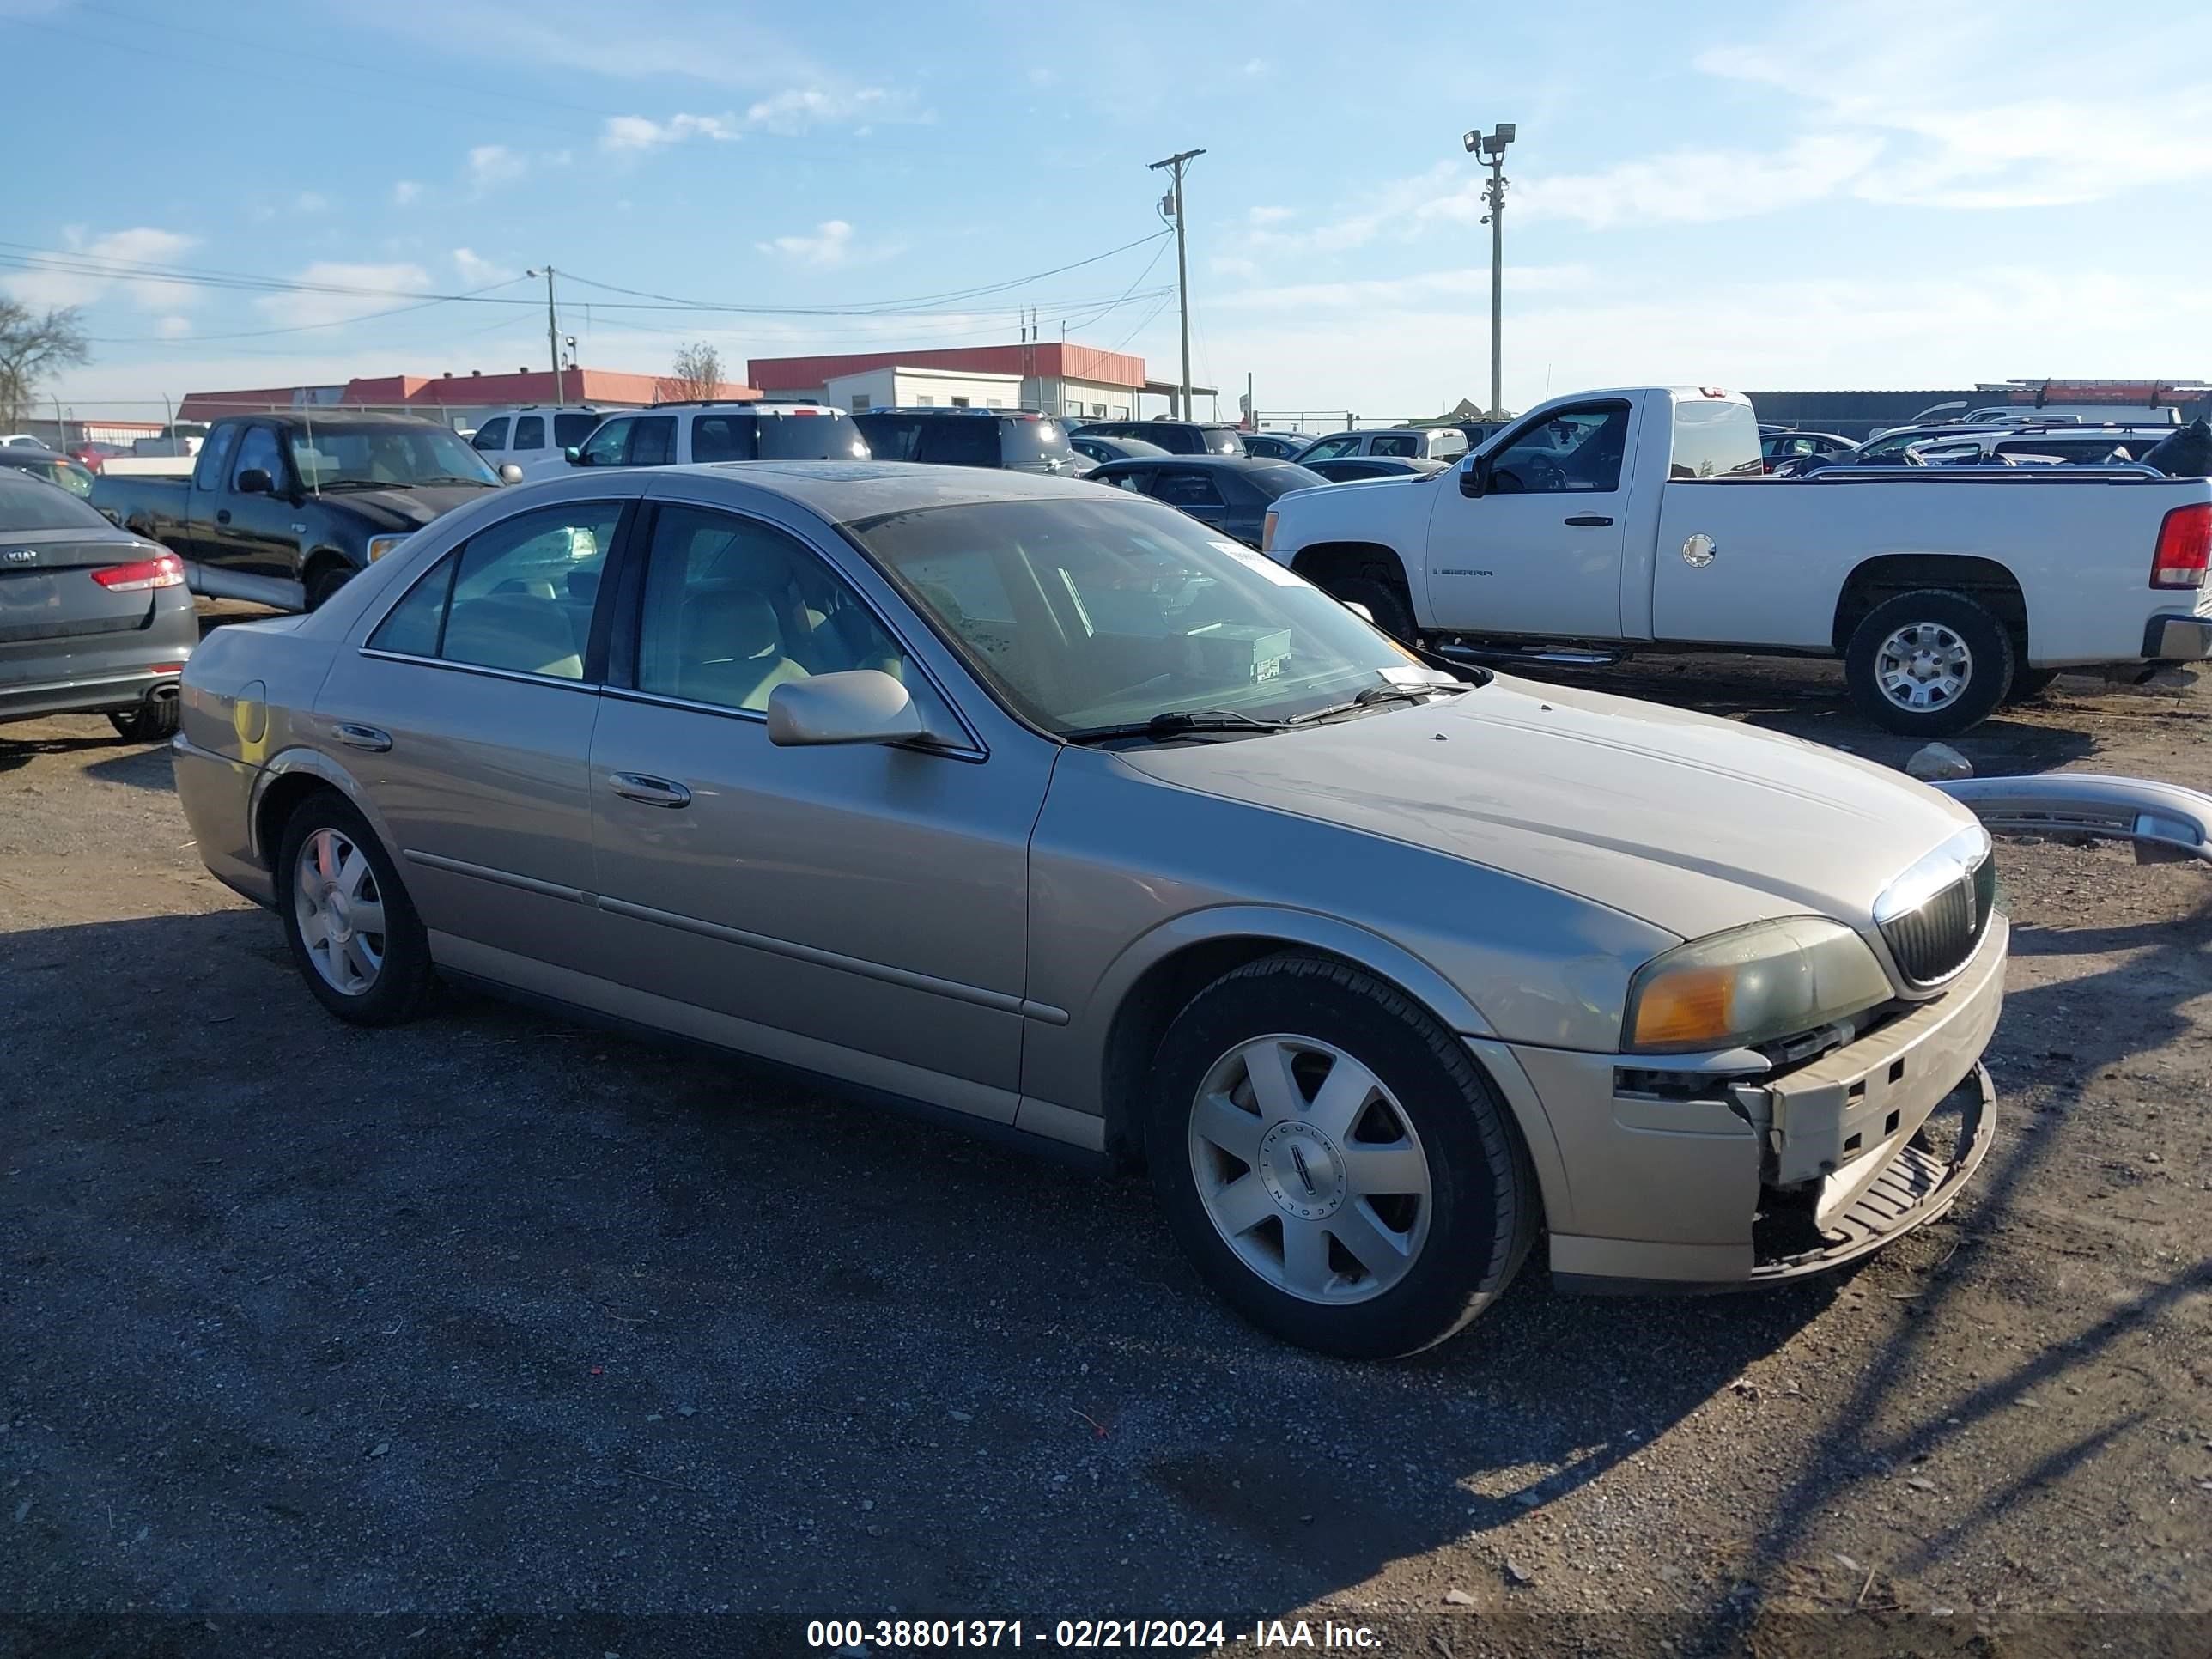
{"x": 1723, "y": 1181}
{"x": 2164, "y": 820}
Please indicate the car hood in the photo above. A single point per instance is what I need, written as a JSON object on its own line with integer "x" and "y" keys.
{"x": 1687, "y": 822}
{"x": 404, "y": 509}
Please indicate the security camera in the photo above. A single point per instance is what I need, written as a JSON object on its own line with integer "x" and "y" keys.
{"x": 1474, "y": 141}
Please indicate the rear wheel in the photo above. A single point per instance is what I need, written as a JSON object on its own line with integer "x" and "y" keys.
{"x": 150, "y": 722}
{"x": 353, "y": 931}
{"x": 1333, "y": 1161}
{"x": 1929, "y": 663}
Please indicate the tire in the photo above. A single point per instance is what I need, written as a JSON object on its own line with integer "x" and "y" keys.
{"x": 1425, "y": 1107}
{"x": 150, "y": 722}
{"x": 1386, "y": 604}
{"x": 1967, "y": 654}
{"x": 323, "y": 583}
{"x": 403, "y": 973}
{"x": 2029, "y": 683}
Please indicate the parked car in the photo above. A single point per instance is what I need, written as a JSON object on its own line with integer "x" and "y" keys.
{"x": 2159, "y": 415}
{"x": 671, "y": 434}
{"x": 1274, "y": 445}
{"x": 1347, "y": 470}
{"x": 1232, "y": 493}
{"x": 1018, "y": 441}
{"x": 534, "y": 438}
{"x": 1045, "y": 809}
{"x": 1479, "y": 433}
{"x": 1176, "y": 437}
{"x": 42, "y": 463}
{"x": 176, "y": 440}
{"x": 2074, "y": 441}
{"x": 1791, "y": 445}
{"x": 284, "y": 509}
{"x": 96, "y": 454}
{"x": 1884, "y": 448}
{"x": 1427, "y": 443}
{"x": 22, "y": 441}
{"x": 93, "y": 620}
{"x": 1640, "y": 518}
{"x": 1094, "y": 448}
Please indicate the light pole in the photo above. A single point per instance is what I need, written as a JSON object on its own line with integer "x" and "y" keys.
{"x": 552, "y": 331}
{"x": 1491, "y": 147}
{"x": 1175, "y": 164}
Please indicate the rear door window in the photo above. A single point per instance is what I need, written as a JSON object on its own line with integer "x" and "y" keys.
{"x": 722, "y": 438}
{"x": 492, "y": 434}
{"x": 1186, "y": 486}
{"x": 524, "y": 589}
{"x": 652, "y": 442}
{"x": 529, "y": 431}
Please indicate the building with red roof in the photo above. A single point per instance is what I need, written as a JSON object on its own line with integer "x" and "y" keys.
{"x": 1058, "y": 377}
{"x": 460, "y": 399}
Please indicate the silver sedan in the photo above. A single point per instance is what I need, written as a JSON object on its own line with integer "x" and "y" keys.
{"x": 1051, "y": 810}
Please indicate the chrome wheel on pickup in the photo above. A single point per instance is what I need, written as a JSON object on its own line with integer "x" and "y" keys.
{"x": 1928, "y": 664}
{"x": 1335, "y": 1164}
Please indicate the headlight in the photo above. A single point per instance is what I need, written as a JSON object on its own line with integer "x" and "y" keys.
{"x": 381, "y": 545}
{"x": 1769, "y": 979}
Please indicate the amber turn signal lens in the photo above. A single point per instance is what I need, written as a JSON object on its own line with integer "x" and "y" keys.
{"x": 1686, "y": 1006}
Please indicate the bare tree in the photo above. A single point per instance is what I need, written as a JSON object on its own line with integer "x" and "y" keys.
{"x": 698, "y": 374}
{"x": 33, "y": 346}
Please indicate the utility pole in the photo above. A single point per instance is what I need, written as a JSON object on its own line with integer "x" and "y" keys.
{"x": 1492, "y": 145}
{"x": 1175, "y": 164}
{"x": 552, "y": 332}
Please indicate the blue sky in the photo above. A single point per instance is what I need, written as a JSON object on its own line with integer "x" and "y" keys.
{"x": 1760, "y": 196}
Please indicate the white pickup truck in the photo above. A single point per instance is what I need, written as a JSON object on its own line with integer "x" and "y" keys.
{"x": 1640, "y": 519}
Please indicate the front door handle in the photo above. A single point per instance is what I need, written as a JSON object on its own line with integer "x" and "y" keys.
{"x": 363, "y": 737}
{"x": 651, "y": 791}
{"x": 1589, "y": 520}
{"x": 222, "y": 515}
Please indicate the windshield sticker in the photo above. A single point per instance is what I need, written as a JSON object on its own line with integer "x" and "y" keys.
{"x": 1259, "y": 561}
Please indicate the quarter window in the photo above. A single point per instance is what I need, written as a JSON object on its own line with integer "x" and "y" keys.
{"x": 733, "y": 609}
{"x": 569, "y": 430}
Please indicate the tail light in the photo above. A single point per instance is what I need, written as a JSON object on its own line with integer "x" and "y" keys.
{"x": 166, "y": 570}
{"x": 1267, "y": 533}
{"x": 2184, "y": 543}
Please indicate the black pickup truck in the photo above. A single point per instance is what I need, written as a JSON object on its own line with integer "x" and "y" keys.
{"x": 282, "y": 508}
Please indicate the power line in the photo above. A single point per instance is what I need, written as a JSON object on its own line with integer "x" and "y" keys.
{"x": 295, "y": 328}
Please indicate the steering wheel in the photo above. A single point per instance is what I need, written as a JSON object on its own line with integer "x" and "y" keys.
{"x": 1545, "y": 474}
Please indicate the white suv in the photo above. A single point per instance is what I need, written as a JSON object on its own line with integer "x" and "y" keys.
{"x": 534, "y": 438}
{"x": 670, "y": 434}
{"x": 1417, "y": 443}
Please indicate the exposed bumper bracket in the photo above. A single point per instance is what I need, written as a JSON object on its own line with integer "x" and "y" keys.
{"x": 2164, "y": 820}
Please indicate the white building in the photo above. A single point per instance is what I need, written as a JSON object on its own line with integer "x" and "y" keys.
{"x": 902, "y": 387}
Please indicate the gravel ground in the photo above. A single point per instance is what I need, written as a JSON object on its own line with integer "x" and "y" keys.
{"x": 473, "y": 1332}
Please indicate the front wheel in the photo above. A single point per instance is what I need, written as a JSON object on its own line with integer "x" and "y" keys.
{"x": 1930, "y": 663}
{"x": 1335, "y": 1165}
{"x": 323, "y": 584}
{"x": 1384, "y": 602}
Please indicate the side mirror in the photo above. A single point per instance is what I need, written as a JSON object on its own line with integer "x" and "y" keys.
{"x": 510, "y": 473}
{"x": 860, "y": 705}
{"x": 253, "y": 482}
{"x": 573, "y": 456}
{"x": 1475, "y": 477}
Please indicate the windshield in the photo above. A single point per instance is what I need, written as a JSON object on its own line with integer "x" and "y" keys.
{"x": 26, "y": 504}
{"x": 1082, "y": 614}
{"x": 416, "y": 453}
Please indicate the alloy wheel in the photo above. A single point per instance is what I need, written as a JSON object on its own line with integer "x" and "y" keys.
{"x": 1310, "y": 1169}
{"x": 1922, "y": 665}
{"x": 340, "y": 912}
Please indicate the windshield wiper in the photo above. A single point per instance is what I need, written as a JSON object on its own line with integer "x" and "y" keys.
{"x": 1178, "y": 722}
{"x": 1369, "y": 698}
{"x": 329, "y": 484}
{"x": 448, "y": 477}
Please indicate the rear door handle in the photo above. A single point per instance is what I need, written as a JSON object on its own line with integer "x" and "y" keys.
{"x": 222, "y": 515}
{"x": 651, "y": 791}
{"x": 363, "y": 737}
{"x": 1589, "y": 520}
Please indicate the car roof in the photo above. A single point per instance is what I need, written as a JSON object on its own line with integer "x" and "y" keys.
{"x": 1218, "y": 463}
{"x": 22, "y": 455}
{"x": 842, "y": 491}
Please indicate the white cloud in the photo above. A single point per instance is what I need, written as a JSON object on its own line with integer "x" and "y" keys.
{"x": 174, "y": 327}
{"x": 405, "y": 193}
{"x": 96, "y": 263}
{"x": 1269, "y": 215}
{"x": 795, "y": 110}
{"x": 492, "y": 165}
{"x": 831, "y": 244}
{"x": 1682, "y": 186}
{"x": 476, "y": 272}
{"x": 1257, "y": 66}
{"x": 632, "y": 133}
{"x": 309, "y": 201}
{"x": 386, "y": 286}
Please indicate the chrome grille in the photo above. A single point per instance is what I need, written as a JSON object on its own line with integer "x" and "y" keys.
{"x": 1937, "y": 938}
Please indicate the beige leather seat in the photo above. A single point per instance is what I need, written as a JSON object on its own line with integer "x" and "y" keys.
{"x": 513, "y": 630}
{"x": 730, "y": 650}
